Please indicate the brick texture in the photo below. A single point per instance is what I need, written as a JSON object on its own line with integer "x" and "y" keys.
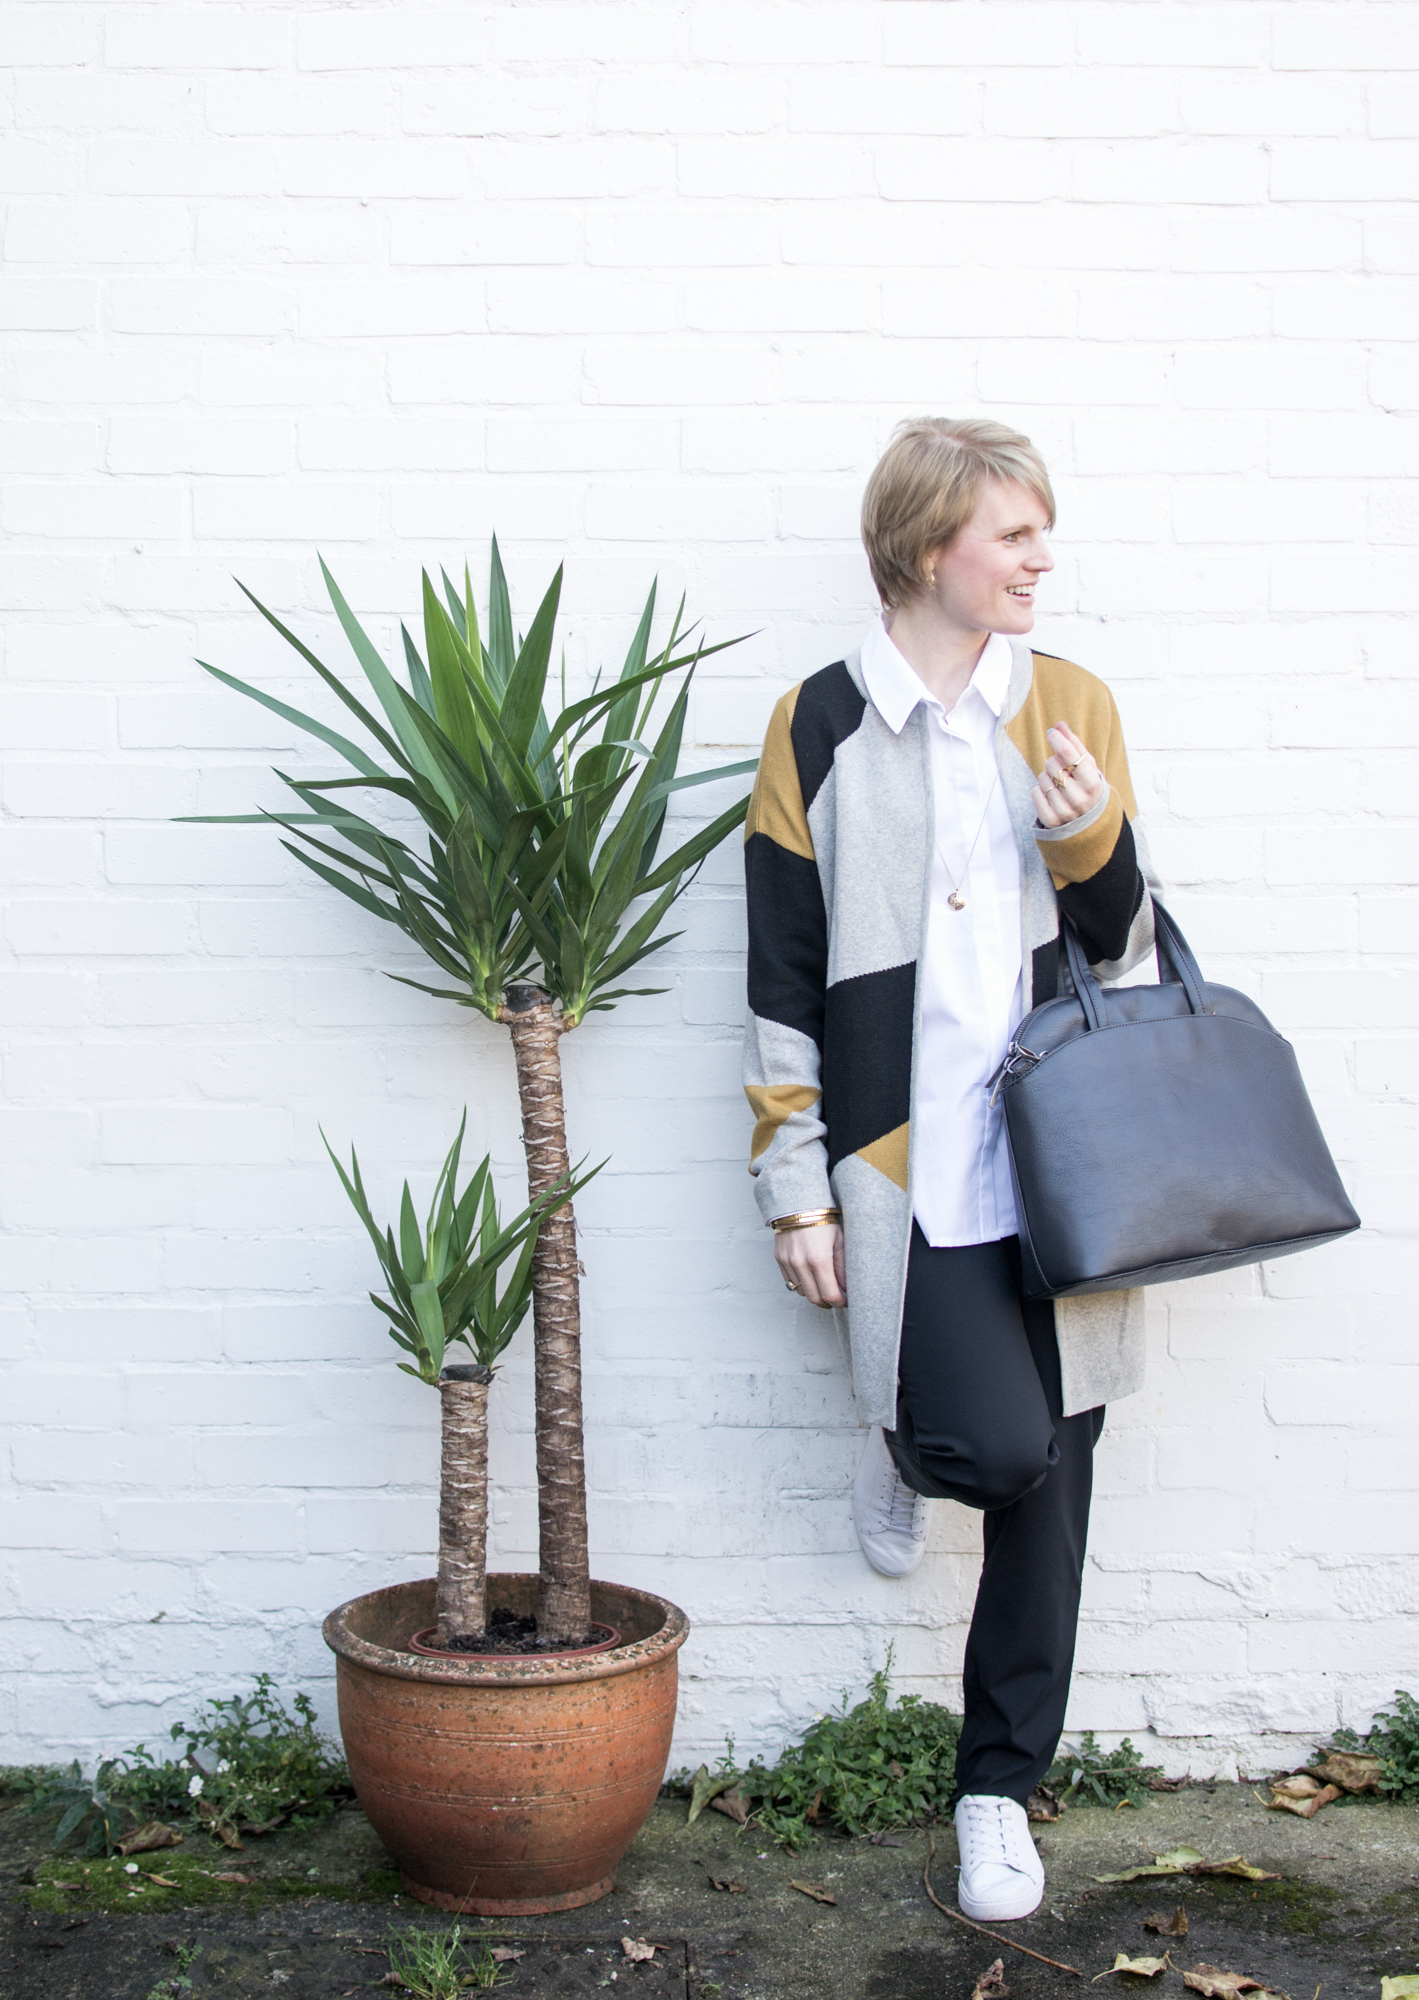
{"x": 646, "y": 287}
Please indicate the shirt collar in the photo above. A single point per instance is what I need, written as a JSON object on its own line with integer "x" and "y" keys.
{"x": 895, "y": 688}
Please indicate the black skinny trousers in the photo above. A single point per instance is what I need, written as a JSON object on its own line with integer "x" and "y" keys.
{"x": 980, "y": 1420}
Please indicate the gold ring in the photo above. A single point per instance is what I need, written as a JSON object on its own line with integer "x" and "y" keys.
{"x": 791, "y": 1286}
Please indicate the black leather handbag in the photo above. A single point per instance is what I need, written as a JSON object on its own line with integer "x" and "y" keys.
{"x": 1159, "y": 1132}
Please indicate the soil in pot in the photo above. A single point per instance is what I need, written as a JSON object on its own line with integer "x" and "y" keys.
{"x": 508, "y": 1635}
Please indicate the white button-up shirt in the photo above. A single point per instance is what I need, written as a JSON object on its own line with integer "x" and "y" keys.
{"x": 971, "y": 986}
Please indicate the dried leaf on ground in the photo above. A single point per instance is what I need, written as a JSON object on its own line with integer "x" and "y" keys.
{"x": 1352, "y": 1770}
{"x": 164, "y": 1882}
{"x": 1215, "y": 1984}
{"x": 991, "y": 1984}
{"x": 1187, "y": 1861}
{"x": 1295, "y": 1785}
{"x": 1149, "y": 1968}
{"x": 508, "y": 1954}
{"x": 732, "y": 1888}
{"x": 1173, "y": 1926}
{"x": 1233, "y": 1865}
{"x": 733, "y": 1804}
{"x": 230, "y": 1875}
{"x": 1404, "y": 1987}
{"x": 1043, "y": 1805}
{"x": 1304, "y": 1805}
{"x": 1177, "y": 1861}
{"x": 813, "y": 1889}
{"x": 1170, "y": 1784}
{"x": 152, "y": 1834}
{"x": 638, "y": 1951}
{"x": 705, "y": 1787}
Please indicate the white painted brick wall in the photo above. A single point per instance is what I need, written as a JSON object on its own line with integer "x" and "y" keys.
{"x": 647, "y": 286}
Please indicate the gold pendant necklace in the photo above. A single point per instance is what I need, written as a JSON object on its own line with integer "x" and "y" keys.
{"x": 956, "y": 901}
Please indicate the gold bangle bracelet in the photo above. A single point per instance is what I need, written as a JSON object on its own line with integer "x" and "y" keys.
{"x": 810, "y": 1218}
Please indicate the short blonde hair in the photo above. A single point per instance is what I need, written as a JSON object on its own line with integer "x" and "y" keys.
{"x": 924, "y": 489}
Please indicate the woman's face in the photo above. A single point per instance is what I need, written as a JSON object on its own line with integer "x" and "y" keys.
{"x": 985, "y": 578}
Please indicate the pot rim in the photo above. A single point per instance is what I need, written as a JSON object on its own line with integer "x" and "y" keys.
{"x": 501, "y": 1669}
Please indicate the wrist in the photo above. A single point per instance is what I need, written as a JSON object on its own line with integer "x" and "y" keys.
{"x": 809, "y": 1218}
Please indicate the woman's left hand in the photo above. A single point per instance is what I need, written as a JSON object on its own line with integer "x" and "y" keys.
{"x": 1071, "y": 782}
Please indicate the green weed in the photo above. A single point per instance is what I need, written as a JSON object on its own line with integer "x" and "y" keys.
{"x": 178, "y": 1983}
{"x": 247, "y": 1765}
{"x": 92, "y": 1807}
{"x": 866, "y": 1769}
{"x": 1394, "y": 1739}
{"x": 434, "y": 1965}
{"x": 1089, "y": 1776}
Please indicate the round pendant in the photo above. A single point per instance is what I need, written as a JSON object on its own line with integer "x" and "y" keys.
{"x": 956, "y": 900}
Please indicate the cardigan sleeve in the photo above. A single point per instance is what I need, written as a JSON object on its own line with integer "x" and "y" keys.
{"x": 1099, "y": 863}
{"x": 788, "y": 971}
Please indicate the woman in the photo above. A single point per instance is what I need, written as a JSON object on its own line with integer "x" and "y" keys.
{"x": 926, "y": 813}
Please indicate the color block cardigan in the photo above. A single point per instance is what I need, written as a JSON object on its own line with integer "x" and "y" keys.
{"x": 838, "y": 848}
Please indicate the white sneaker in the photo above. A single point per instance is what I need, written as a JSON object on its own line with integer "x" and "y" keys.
{"x": 890, "y": 1518}
{"x": 1002, "y": 1875}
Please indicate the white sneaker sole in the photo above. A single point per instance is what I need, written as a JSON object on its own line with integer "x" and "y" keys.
{"x": 1003, "y": 1909}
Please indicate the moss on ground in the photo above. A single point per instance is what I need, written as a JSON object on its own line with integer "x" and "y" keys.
{"x": 1301, "y": 1909}
{"x": 171, "y": 1881}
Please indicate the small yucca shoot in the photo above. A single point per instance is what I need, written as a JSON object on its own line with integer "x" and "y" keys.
{"x": 443, "y": 1286}
{"x": 443, "y": 1279}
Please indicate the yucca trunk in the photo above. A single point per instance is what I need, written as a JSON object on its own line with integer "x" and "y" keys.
{"x": 463, "y": 1502}
{"x": 564, "y": 1597}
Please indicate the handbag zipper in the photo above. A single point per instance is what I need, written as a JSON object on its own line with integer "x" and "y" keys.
{"x": 1017, "y": 1061}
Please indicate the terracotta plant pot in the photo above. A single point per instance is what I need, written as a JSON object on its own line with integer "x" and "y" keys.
{"x": 506, "y": 1785}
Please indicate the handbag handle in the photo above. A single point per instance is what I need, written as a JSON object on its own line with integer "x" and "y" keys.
{"x": 1175, "y": 964}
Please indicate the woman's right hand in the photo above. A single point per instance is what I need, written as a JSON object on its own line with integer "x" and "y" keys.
{"x": 811, "y": 1262}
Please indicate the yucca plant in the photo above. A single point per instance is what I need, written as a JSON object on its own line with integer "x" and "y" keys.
{"x": 539, "y": 889}
{"x": 443, "y": 1287}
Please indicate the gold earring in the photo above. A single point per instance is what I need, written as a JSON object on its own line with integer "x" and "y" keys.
{"x": 931, "y": 579}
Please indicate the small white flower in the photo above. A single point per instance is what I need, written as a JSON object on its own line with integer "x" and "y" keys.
{"x": 194, "y": 1787}
{"x": 223, "y": 1766}
{"x": 130, "y": 1867}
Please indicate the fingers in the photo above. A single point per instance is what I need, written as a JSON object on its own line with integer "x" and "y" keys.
{"x": 1072, "y": 792}
{"x": 812, "y": 1261}
{"x": 1071, "y": 782}
{"x": 1048, "y": 803}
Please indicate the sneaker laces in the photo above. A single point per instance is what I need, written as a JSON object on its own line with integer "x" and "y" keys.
{"x": 986, "y": 1817}
{"x": 902, "y": 1507}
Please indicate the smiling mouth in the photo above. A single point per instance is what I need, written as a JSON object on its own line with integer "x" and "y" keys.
{"x": 1026, "y": 590}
